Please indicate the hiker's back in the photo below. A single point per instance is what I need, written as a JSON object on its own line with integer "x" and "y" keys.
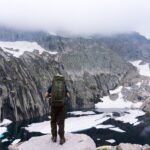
{"x": 58, "y": 90}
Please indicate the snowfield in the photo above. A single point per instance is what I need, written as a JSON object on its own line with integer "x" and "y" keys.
{"x": 130, "y": 117}
{"x": 118, "y": 103}
{"x": 19, "y": 47}
{"x": 2, "y": 130}
{"x": 74, "y": 124}
{"x": 3, "y": 125}
{"x": 82, "y": 113}
{"x": 143, "y": 69}
{"x": 5, "y": 122}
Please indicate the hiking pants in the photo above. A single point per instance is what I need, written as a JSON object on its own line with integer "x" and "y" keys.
{"x": 57, "y": 118}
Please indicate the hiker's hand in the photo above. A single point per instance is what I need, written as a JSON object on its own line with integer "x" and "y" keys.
{"x": 46, "y": 94}
{"x": 68, "y": 94}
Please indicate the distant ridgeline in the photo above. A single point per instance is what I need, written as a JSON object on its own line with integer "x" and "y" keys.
{"x": 92, "y": 66}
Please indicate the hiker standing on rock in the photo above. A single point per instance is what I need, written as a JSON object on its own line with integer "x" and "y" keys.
{"x": 58, "y": 92}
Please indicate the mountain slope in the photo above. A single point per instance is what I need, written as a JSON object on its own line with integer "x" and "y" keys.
{"x": 26, "y": 77}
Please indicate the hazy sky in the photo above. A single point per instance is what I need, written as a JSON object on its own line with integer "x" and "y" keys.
{"x": 78, "y": 16}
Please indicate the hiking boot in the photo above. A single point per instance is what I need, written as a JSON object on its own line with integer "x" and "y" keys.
{"x": 54, "y": 138}
{"x": 62, "y": 141}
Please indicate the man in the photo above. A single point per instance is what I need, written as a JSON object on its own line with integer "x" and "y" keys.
{"x": 57, "y": 91}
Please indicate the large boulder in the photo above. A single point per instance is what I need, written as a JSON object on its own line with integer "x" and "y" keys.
{"x": 105, "y": 148}
{"x": 128, "y": 146}
{"x": 73, "y": 141}
{"x": 146, "y": 147}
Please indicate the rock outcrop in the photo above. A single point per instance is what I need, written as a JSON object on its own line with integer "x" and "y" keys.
{"x": 73, "y": 141}
{"x": 125, "y": 146}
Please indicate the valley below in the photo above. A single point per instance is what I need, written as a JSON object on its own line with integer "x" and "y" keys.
{"x": 104, "y": 126}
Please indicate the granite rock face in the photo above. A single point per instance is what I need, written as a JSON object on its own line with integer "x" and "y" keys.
{"x": 21, "y": 91}
{"x": 91, "y": 68}
{"x": 90, "y": 74}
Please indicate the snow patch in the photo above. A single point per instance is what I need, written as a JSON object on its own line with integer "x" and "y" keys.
{"x": 16, "y": 141}
{"x": 3, "y": 125}
{"x": 129, "y": 88}
{"x": 5, "y": 122}
{"x": 19, "y": 47}
{"x": 117, "y": 90}
{"x": 111, "y": 141}
{"x": 131, "y": 116}
{"x": 71, "y": 124}
{"x": 138, "y": 84}
{"x": 4, "y": 140}
{"x": 118, "y": 103}
{"x": 42, "y": 127}
{"x": 3, "y": 130}
{"x": 82, "y": 113}
{"x": 136, "y": 105}
{"x": 74, "y": 124}
{"x": 137, "y": 123}
{"x": 117, "y": 129}
{"x": 85, "y": 122}
{"x": 101, "y": 126}
{"x": 142, "y": 68}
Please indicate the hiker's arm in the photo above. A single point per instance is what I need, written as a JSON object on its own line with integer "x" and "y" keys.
{"x": 48, "y": 92}
{"x": 67, "y": 91}
{"x": 68, "y": 94}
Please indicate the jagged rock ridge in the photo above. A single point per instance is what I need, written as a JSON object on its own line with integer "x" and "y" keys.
{"x": 91, "y": 66}
{"x": 25, "y": 79}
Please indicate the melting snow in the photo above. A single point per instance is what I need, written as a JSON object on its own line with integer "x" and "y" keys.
{"x": 4, "y": 140}
{"x": 74, "y": 124}
{"x": 131, "y": 116}
{"x": 3, "y": 130}
{"x": 19, "y": 47}
{"x": 138, "y": 84}
{"x": 118, "y": 103}
{"x": 111, "y": 141}
{"x": 71, "y": 124}
{"x": 117, "y": 90}
{"x": 142, "y": 68}
{"x": 16, "y": 141}
{"x": 82, "y": 113}
{"x": 5, "y": 122}
{"x": 117, "y": 129}
{"x": 101, "y": 126}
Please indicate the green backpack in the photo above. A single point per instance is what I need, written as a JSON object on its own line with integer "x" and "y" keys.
{"x": 58, "y": 90}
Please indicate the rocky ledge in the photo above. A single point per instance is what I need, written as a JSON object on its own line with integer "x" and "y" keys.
{"x": 75, "y": 141}
{"x": 125, "y": 146}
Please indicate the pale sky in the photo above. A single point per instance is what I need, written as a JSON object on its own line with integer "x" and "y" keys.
{"x": 78, "y": 16}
